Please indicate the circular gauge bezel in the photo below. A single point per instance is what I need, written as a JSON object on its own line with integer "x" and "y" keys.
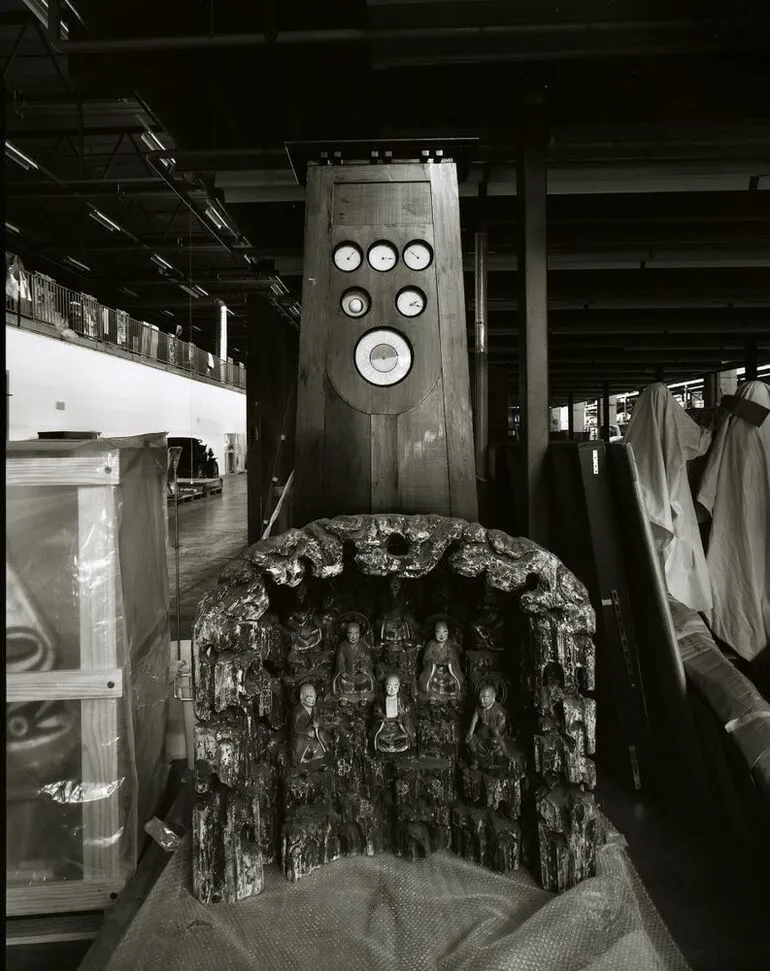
{"x": 393, "y": 249}
{"x": 417, "y": 242}
{"x": 368, "y": 342}
{"x": 416, "y": 290}
{"x": 352, "y": 245}
{"x": 356, "y": 292}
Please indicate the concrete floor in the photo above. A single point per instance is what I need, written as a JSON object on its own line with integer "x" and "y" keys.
{"x": 715, "y": 905}
{"x": 212, "y": 532}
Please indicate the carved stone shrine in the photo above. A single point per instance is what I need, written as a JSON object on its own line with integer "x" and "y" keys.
{"x": 393, "y": 683}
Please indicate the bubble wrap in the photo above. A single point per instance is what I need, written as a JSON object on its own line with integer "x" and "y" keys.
{"x": 386, "y": 914}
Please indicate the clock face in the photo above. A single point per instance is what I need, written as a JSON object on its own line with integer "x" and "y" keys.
{"x": 355, "y": 302}
{"x": 410, "y": 301}
{"x": 347, "y": 257}
{"x": 418, "y": 255}
{"x": 382, "y": 256}
{"x": 383, "y": 357}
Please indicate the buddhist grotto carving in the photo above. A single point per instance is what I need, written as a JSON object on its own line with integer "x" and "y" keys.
{"x": 393, "y": 683}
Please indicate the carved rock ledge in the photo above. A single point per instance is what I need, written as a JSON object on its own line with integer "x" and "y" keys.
{"x": 305, "y": 786}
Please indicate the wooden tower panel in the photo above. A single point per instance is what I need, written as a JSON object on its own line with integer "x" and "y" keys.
{"x": 406, "y": 446}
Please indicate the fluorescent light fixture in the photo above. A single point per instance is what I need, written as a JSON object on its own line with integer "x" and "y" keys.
{"x": 16, "y": 155}
{"x": 168, "y": 313}
{"x": 77, "y": 263}
{"x": 183, "y": 286}
{"x": 104, "y": 221}
{"x": 200, "y": 290}
{"x": 129, "y": 292}
{"x": 152, "y": 141}
{"x": 40, "y": 9}
{"x": 215, "y": 217}
{"x": 159, "y": 261}
{"x": 11, "y": 228}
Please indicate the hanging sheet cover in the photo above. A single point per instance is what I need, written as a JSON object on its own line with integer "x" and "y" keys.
{"x": 735, "y": 490}
{"x": 664, "y": 438}
{"x": 386, "y": 914}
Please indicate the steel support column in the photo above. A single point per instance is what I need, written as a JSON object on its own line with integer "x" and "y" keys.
{"x": 570, "y": 416}
{"x": 533, "y": 317}
{"x": 255, "y": 312}
{"x": 710, "y": 389}
{"x": 271, "y": 390}
{"x": 481, "y": 359}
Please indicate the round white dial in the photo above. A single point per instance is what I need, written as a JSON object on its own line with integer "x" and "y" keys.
{"x": 418, "y": 255}
{"x": 382, "y": 256}
{"x": 347, "y": 257}
{"x": 383, "y": 357}
{"x": 355, "y": 302}
{"x": 410, "y": 301}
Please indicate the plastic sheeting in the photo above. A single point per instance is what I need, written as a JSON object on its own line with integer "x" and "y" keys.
{"x": 664, "y": 439}
{"x": 388, "y": 914}
{"x": 86, "y": 662}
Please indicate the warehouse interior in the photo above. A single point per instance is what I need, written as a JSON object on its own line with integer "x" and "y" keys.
{"x": 613, "y": 163}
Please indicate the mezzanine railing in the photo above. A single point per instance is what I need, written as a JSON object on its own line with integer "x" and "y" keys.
{"x": 35, "y": 296}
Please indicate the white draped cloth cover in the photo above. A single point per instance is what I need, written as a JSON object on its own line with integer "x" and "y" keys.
{"x": 664, "y": 438}
{"x": 735, "y": 490}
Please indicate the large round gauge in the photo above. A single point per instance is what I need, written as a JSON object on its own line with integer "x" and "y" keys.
{"x": 410, "y": 301}
{"x": 355, "y": 302}
{"x": 382, "y": 256}
{"x": 418, "y": 255}
{"x": 383, "y": 357}
{"x": 347, "y": 257}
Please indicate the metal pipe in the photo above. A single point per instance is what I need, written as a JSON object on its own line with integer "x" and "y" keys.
{"x": 751, "y": 361}
{"x": 605, "y": 411}
{"x": 130, "y": 45}
{"x": 481, "y": 409}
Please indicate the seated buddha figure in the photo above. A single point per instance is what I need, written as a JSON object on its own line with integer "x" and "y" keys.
{"x": 441, "y": 678}
{"x": 303, "y": 626}
{"x": 486, "y": 629}
{"x": 488, "y": 743}
{"x": 396, "y": 626}
{"x": 394, "y": 727}
{"x": 308, "y": 741}
{"x": 353, "y": 681}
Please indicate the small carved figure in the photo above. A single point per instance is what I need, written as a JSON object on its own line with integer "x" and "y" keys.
{"x": 304, "y": 628}
{"x": 396, "y": 625}
{"x": 441, "y": 678}
{"x": 394, "y": 730}
{"x": 354, "y": 677}
{"x": 486, "y": 629}
{"x": 309, "y": 742}
{"x": 488, "y": 744}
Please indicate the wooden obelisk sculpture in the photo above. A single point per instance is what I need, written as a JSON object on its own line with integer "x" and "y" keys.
{"x": 383, "y": 411}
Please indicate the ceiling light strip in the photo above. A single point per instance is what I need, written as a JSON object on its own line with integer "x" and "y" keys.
{"x": 104, "y": 221}
{"x": 78, "y": 264}
{"x": 159, "y": 261}
{"x": 16, "y": 155}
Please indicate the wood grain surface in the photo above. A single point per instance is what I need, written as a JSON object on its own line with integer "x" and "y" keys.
{"x": 63, "y": 685}
{"x": 312, "y": 344}
{"x": 454, "y": 342}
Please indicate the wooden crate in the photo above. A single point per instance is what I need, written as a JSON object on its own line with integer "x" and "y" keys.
{"x": 108, "y": 478}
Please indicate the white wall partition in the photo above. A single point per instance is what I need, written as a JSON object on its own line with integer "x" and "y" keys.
{"x": 60, "y": 386}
